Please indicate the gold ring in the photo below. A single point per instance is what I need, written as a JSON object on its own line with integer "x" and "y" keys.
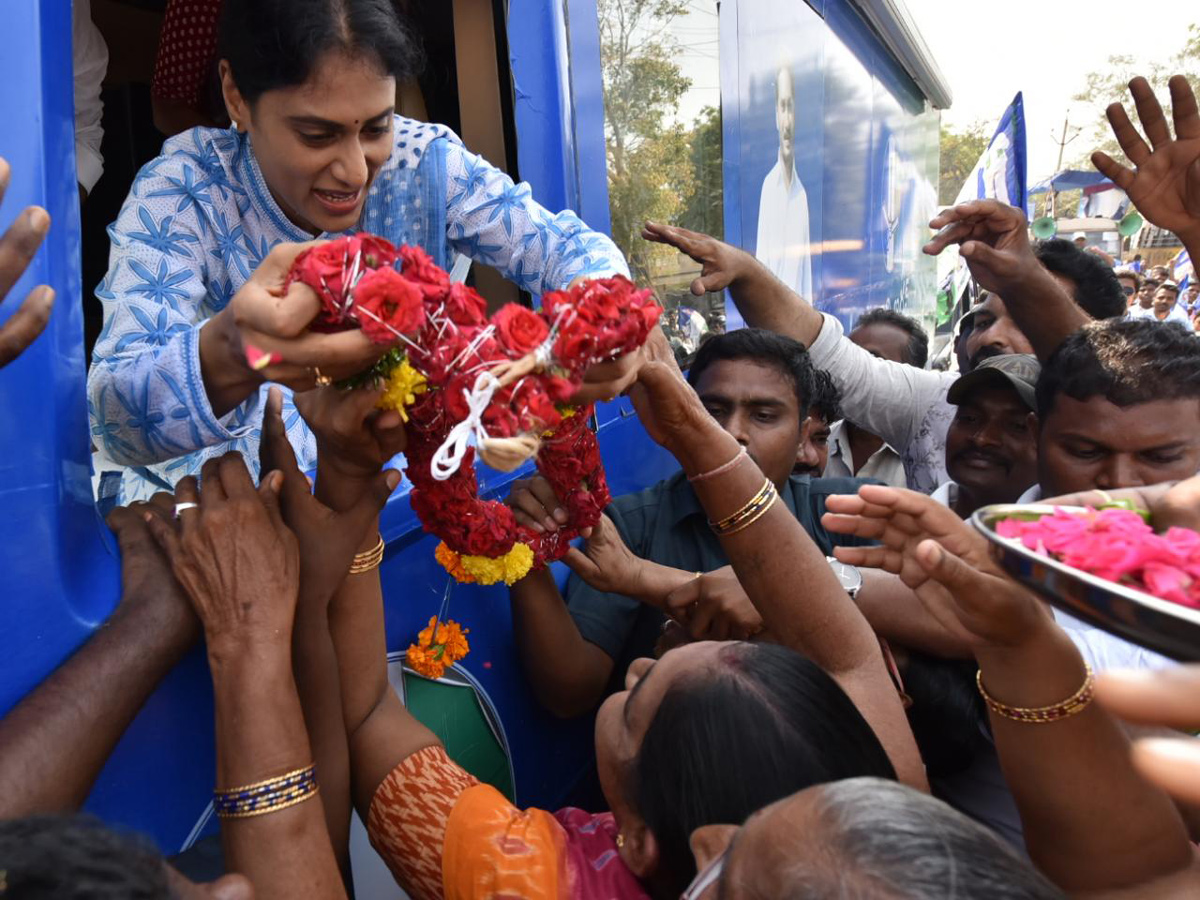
{"x": 322, "y": 380}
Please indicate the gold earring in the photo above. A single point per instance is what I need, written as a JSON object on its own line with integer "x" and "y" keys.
{"x": 620, "y": 841}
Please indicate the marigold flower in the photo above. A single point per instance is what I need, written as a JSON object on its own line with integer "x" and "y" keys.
{"x": 439, "y": 645}
{"x": 401, "y": 388}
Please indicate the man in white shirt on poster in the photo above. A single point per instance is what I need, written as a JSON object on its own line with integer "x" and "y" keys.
{"x": 783, "y": 204}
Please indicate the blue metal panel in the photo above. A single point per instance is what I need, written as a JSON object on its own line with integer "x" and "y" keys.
{"x": 61, "y": 578}
{"x": 587, "y": 104}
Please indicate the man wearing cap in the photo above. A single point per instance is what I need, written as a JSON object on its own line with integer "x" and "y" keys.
{"x": 991, "y": 445}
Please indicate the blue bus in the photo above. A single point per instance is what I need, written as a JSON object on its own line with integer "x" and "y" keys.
{"x": 841, "y": 91}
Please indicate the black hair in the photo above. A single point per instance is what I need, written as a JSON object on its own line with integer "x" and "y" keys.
{"x": 1128, "y": 362}
{"x": 274, "y": 44}
{"x": 1129, "y": 273}
{"x": 77, "y": 858}
{"x": 918, "y": 338}
{"x": 1097, "y": 290}
{"x": 761, "y": 346}
{"x": 948, "y": 716}
{"x": 826, "y": 398}
{"x": 725, "y": 742}
{"x": 1169, "y": 286}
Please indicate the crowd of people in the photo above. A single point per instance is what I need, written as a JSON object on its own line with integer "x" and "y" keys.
{"x": 761, "y": 730}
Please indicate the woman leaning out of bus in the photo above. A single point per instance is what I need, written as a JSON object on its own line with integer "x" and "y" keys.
{"x": 315, "y": 150}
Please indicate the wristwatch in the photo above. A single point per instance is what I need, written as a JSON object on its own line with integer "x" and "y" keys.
{"x": 849, "y": 576}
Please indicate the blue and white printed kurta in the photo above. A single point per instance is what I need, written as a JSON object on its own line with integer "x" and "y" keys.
{"x": 200, "y": 219}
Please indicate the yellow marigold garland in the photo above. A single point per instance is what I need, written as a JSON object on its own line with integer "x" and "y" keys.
{"x": 509, "y": 568}
{"x": 401, "y": 387}
{"x": 438, "y": 646}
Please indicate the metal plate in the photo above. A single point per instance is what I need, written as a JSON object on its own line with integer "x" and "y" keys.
{"x": 1131, "y": 614}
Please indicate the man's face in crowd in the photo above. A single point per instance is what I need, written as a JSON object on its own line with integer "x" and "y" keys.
{"x": 785, "y": 113}
{"x": 814, "y": 452}
{"x": 1164, "y": 300}
{"x": 756, "y": 403}
{"x": 994, "y": 333}
{"x": 1146, "y": 294}
{"x": 1129, "y": 286}
{"x": 882, "y": 340}
{"x": 991, "y": 446}
{"x": 1192, "y": 294}
{"x": 1093, "y": 444}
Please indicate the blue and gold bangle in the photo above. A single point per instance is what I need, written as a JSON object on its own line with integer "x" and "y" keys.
{"x": 267, "y": 796}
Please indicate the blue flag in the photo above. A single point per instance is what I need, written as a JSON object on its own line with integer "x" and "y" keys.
{"x": 1002, "y": 171}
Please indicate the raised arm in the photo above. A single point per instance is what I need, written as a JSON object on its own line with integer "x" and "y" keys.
{"x": 773, "y": 550}
{"x": 1164, "y": 181}
{"x": 328, "y": 541}
{"x": 994, "y": 240}
{"x": 56, "y": 740}
{"x": 240, "y": 566}
{"x": 889, "y": 399}
{"x": 1091, "y": 823}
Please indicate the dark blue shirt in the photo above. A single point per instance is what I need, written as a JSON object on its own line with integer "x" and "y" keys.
{"x": 666, "y": 524}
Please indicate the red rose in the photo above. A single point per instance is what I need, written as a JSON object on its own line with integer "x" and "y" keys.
{"x": 376, "y": 251}
{"x": 388, "y": 305}
{"x": 323, "y": 268}
{"x": 521, "y": 330}
{"x": 464, "y": 306}
{"x": 419, "y": 267}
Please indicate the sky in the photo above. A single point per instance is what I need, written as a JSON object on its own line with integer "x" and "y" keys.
{"x": 1045, "y": 48}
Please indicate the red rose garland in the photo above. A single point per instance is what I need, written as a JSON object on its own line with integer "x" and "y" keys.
{"x": 455, "y": 375}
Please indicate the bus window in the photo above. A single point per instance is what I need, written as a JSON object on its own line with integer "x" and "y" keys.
{"x": 662, "y": 105}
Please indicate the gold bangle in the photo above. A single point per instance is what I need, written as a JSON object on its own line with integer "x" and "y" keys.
{"x": 1042, "y": 715}
{"x": 766, "y": 508}
{"x": 268, "y": 796}
{"x": 754, "y": 508}
{"x": 733, "y": 517}
{"x": 368, "y": 560}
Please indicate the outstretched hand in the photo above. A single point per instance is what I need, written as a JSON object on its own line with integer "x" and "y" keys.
{"x": 17, "y": 248}
{"x": 605, "y": 562}
{"x": 354, "y": 439}
{"x": 1164, "y": 182}
{"x": 714, "y": 606}
{"x": 328, "y": 539}
{"x": 993, "y": 238}
{"x": 721, "y": 264}
{"x": 942, "y": 559}
{"x": 237, "y": 561}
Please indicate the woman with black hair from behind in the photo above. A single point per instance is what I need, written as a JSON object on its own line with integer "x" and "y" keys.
{"x": 203, "y": 243}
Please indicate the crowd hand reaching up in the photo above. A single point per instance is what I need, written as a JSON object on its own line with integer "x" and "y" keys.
{"x": 354, "y": 441}
{"x": 147, "y": 581}
{"x": 17, "y": 248}
{"x": 1164, "y": 182}
{"x": 714, "y": 607}
{"x": 327, "y": 539}
{"x": 722, "y": 264}
{"x": 275, "y": 321}
{"x": 942, "y": 559}
{"x": 235, "y": 558}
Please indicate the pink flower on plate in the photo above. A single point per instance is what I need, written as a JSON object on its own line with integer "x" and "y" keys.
{"x": 1117, "y": 545}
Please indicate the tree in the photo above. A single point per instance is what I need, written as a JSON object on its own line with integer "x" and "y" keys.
{"x": 1110, "y": 85}
{"x": 648, "y": 158}
{"x": 960, "y": 152}
{"x": 705, "y": 210}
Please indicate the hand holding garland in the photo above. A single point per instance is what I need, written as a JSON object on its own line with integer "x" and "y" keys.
{"x": 1090, "y": 822}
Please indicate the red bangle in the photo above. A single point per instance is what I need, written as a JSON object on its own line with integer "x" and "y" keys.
{"x": 1041, "y": 715}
